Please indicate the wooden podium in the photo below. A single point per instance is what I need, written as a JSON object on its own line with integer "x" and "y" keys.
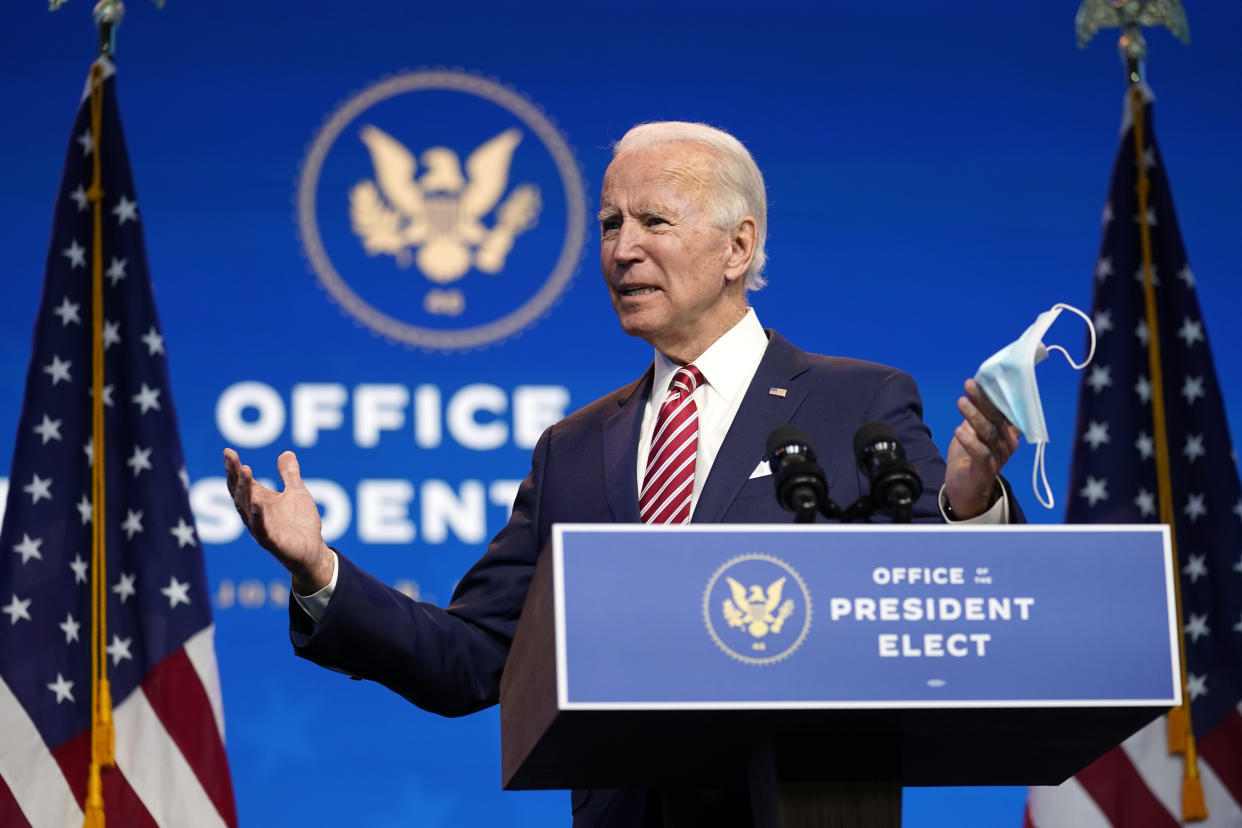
{"x": 815, "y": 755}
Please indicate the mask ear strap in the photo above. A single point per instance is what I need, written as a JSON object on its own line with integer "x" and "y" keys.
{"x": 1040, "y": 471}
{"x": 1090, "y": 329}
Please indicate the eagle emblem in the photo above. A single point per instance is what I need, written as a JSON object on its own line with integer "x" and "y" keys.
{"x": 757, "y": 610}
{"x": 1130, "y": 16}
{"x": 435, "y": 219}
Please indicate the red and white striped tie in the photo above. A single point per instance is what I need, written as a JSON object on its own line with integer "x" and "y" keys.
{"x": 668, "y": 482}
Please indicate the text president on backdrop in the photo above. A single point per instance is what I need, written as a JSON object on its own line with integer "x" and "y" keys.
{"x": 683, "y": 220}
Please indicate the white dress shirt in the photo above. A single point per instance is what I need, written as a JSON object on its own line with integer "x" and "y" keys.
{"x": 727, "y": 367}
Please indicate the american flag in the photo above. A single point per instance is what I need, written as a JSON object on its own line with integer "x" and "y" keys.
{"x": 1114, "y": 481}
{"x": 171, "y": 765}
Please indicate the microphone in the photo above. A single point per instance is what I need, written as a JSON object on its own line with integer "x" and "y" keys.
{"x": 895, "y": 484}
{"x": 801, "y": 487}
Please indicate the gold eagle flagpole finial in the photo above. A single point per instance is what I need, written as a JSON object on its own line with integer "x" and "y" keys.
{"x": 107, "y": 14}
{"x": 1130, "y": 16}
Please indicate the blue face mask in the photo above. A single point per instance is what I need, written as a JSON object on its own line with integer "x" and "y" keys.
{"x": 1008, "y": 378}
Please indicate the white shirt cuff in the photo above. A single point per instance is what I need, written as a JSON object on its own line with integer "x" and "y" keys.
{"x": 316, "y": 604}
{"x": 997, "y": 514}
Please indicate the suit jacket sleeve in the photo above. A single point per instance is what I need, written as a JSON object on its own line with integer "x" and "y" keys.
{"x": 447, "y": 661}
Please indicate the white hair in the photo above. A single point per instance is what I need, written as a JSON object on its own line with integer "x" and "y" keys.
{"x": 738, "y": 190}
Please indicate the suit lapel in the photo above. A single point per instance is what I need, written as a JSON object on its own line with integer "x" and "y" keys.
{"x": 620, "y": 436}
{"x": 759, "y": 413}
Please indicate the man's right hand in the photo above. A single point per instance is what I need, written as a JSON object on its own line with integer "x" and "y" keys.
{"x": 285, "y": 524}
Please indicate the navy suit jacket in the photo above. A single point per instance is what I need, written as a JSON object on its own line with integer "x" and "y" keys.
{"x": 584, "y": 470}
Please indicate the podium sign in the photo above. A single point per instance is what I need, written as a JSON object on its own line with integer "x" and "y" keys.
{"x": 924, "y": 655}
{"x": 841, "y": 616}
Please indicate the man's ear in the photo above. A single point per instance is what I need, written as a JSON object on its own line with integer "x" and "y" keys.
{"x": 741, "y": 249}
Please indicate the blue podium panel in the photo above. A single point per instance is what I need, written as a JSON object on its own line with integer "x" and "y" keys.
{"x": 860, "y": 617}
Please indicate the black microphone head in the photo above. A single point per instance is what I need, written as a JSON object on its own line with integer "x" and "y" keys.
{"x": 797, "y": 477}
{"x": 895, "y": 483}
{"x": 875, "y": 437}
{"x": 787, "y": 437}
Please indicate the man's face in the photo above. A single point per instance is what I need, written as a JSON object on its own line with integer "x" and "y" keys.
{"x": 671, "y": 273}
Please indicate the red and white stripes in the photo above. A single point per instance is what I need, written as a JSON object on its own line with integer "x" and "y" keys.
{"x": 668, "y": 482}
{"x": 1138, "y": 785}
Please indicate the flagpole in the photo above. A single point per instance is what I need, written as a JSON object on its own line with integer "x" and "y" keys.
{"x": 107, "y": 14}
{"x": 1180, "y": 731}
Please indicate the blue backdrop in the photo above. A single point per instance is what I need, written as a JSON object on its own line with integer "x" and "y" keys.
{"x": 936, "y": 174}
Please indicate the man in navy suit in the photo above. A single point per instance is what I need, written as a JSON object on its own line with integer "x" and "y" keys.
{"x": 683, "y": 222}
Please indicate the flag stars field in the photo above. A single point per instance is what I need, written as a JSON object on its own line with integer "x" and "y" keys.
{"x": 29, "y": 548}
{"x": 1191, "y": 331}
{"x": 78, "y": 197}
{"x": 153, "y": 341}
{"x": 1097, "y": 434}
{"x": 116, "y": 270}
{"x": 147, "y": 399}
{"x": 132, "y": 524}
{"x": 1151, "y": 217}
{"x": 1140, "y": 275}
{"x": 68, "y": 313}
{"x": 140, "y": 460}
{"x": 1100, "y": 378}
{"x": 80, "y": 568}
{"x": 63, "y": 689}
{"x": 119, "y": 649}
{"x": 76, "y": 254}
{"x": 125, "y": 210}
{"x": 1197, "y": 627}
{"x": 1146, "y": 502}
{"x": 184, "y": 533}
{"x": 18, "y": 609}
{"x": 1196, "y": 686}
{"x": 107, "y": 395}
{"x": 1195, "y": 507}
{"x": 124, "y": 588}
{"x": 38, "y": 488}
{"x": 58, "y": 370}
{"x": 48, "y": 430}
{"x": 1195, "y": 568}
{"x": 70, "y": 626}
{"x": 1192, "y": 389}
{"x": 1095, "y": 490}
{"x": 1103, "y": 268}
{"x": 111, "y": 334}
{"x": 176, "y": 592}
{"x": 1194, "y": 447}
{"x": 86, "y": 510}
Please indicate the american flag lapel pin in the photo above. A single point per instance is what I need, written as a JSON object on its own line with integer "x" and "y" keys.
{"x": 776, "y": 392}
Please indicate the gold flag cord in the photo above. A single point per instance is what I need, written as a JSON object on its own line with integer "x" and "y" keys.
{"x": 102, "y": 736}
{"x": 1181, "y": 735}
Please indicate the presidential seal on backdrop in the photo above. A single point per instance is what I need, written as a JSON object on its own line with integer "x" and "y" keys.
{"x": 757, "y": 608}
{"x": 442, "y": 210}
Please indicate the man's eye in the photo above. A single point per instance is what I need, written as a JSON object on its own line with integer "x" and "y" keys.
{"x": 609, "y": 226}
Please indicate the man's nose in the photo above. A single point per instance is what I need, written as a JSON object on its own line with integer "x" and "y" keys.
{"x": 627, "y": 247}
